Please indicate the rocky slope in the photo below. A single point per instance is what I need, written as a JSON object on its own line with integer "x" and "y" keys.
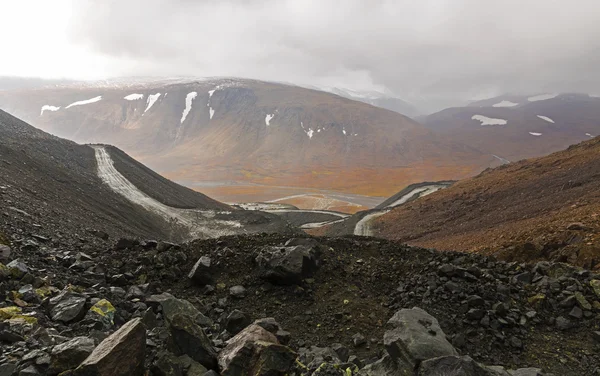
{"x": 55, "y": 184}
{"x": 246, "y": 308}
{"x": 538, "y": 209}
{"x": 516, "y": 127}
{"x": 249, "y": 131}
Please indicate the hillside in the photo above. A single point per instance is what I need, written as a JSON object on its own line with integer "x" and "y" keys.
{"x": 537, "y": 209}
{"x": 58, "y": 183}
{"x": 253, "y": 132}
{"x": 516, "y": 127}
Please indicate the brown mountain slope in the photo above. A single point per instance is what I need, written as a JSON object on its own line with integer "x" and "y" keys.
{"x": 534, "y": 125}
{"x": 544, "y": 208}
{"x": 252, "y": 132}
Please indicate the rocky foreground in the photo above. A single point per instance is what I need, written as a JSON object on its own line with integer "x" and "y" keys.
{"x": 271, "y": 305}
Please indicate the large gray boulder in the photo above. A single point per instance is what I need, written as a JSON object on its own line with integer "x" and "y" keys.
{"x": 190, "y": 339}
{"x": 70, "y": 354}
{"x": 121, "y": 354}
{"x": 385, "y": 366}
{"x": 255, "y": 351}
{"x": 455, "y": 366}
{"x": 415, "y": 337}
{"x": 172, "y": 306}
{"x": 288, "y": 265}
{"x": 67, "y": 306}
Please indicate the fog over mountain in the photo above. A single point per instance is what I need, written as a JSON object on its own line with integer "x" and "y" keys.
{"x": 435, "y": 53}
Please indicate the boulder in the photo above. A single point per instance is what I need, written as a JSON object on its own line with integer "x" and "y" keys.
{"x": 201, "y": 272}
{"x": 70, "y": 354}
{"x": 288, "y": 265}
{"x": 102, "y": 313}
{"x": 261, "y": 358}
{"x": 172, "y": 306}
{"x": 269, "y": 324}
{"x": 121, "y": 354}
{"x": 236, "y": 348}
{"x": 415, "y": 336}
{"x": 168, "y": 364}
{"x": 190, "y": 339}
{"x": 67, "y": 306}
{"x": 453, "y": 366}
{"x": 384, "y": 367}
{"x": 314, "y": 356}
{"x": 236, "y": 321}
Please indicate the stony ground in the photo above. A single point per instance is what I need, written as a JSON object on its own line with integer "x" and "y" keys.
{"x": 498, "y": 313}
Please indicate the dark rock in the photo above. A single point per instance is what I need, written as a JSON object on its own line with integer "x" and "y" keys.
{"x": 358, "y": 340}
{"x": 190, "y": 339}
{"x": 453, "y": 366}
{"x": 236, "y": 321}
{"x": 70, "y": 354}
{"x": 527, "y": 372}
{"x": 201, "y": 272}
{"x": 563, "y": 323}
{"x": 475, "y": 301}
{"x": 172, "y": 306}
{"x": 134, "y": 292}
{"x": 67, "y": 306}
{"x": 475, "y": 314}
{"x": 7, "y": 369}
{"x": 255, "y": 351}
{"x": 516, "y": 342}
{"x": 30, "y": 371}
{"x": 385, "y": 366}
{"x": 342, "y": 351}
{"x": 167, "y": 365}
{"x": 501, "y": 309}
{"x": 121, "y": 354}
{"x": 273, "y": 326}
{"x": 125, "y": 243}
{"x": 524, "y": 277}
{"x": 17, "y": 268}
{"x": 576, "y": 312}
{"x": 288, "y": 265}
{"x": 416, "y": 336}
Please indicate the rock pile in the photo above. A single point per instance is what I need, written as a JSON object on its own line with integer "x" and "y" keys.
{"x": 224, "y": 307}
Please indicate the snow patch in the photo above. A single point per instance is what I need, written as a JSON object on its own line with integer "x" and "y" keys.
{"x": 310, "y": 133}
{"x": 87, "y": 101}
{"x": 546, "y": 118}
{"x": 188, "y": 105}
{"x": 488, "y": 121}
{"x": 268, "y": 119}
{"x": 589, "y": 135}
{"x": 210, "y": 93}
{"x": 541, "y": 97}
{"x": 535, "y": 134}
{"x": 211, "y": 112}
{"x": 152, "y": 98}
{"x": 344, "y": 131}
{"x": 47, "y": 107}
{"x": 134, "y": 97}
{"x": 505, "y": 104}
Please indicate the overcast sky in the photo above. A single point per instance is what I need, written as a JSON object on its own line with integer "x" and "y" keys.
{"x": 426, "y": 48}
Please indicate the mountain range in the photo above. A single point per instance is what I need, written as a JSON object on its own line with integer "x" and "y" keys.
{"x": 251, "y": 132}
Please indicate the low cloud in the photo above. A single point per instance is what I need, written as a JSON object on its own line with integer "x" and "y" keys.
{"x": 441, "y": 51}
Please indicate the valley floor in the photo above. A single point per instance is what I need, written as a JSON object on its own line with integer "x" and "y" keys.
{"x": 303, "y": 198}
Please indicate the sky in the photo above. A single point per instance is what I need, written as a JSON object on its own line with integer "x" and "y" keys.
{"x": 432, "y": 49}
